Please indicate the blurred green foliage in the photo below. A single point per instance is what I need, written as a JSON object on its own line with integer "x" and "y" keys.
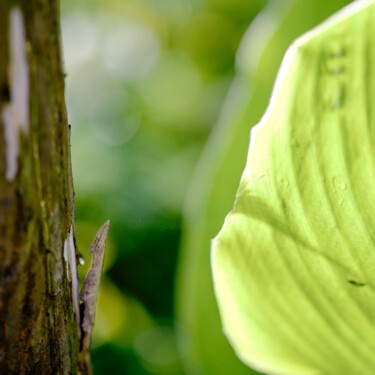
{"x": 146, "y": 81}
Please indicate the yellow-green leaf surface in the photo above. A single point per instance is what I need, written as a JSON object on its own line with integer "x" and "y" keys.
{"x": 219, "y": 171}
{"x": 294, "y": 265}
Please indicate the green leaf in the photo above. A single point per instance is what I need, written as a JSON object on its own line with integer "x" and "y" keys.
{"x": 219, "y": 171}
{"x": 294, "y": 265}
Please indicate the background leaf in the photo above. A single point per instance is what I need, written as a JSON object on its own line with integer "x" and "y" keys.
{"x": 218, "y": 174}
{"x": 294, "y": 264}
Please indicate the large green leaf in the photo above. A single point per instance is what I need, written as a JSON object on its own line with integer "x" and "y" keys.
{"x": 219, "y": 171}
{"x": 294, "y": 265}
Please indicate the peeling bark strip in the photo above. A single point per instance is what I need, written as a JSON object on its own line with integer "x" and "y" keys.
{"x": 38, "y": 301}
{"x": 89, "y": 295}
{"x": 71, "y": 272}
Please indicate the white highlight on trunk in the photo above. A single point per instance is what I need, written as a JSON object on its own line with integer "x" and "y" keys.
{"x": 71, "y": 270}
{"x": 15, "y": 115}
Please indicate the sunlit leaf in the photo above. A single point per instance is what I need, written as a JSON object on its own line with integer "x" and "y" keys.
{"x": 294, "y": 263}
{"x": 218, "y": 174}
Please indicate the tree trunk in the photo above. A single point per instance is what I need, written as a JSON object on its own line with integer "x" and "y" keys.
{"x": 39, "y": 321}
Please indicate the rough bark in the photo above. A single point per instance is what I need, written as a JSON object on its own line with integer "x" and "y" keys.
{"x": 38, "y": 327}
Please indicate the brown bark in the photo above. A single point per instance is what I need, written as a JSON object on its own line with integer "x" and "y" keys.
{"x": 38, "y": 327}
